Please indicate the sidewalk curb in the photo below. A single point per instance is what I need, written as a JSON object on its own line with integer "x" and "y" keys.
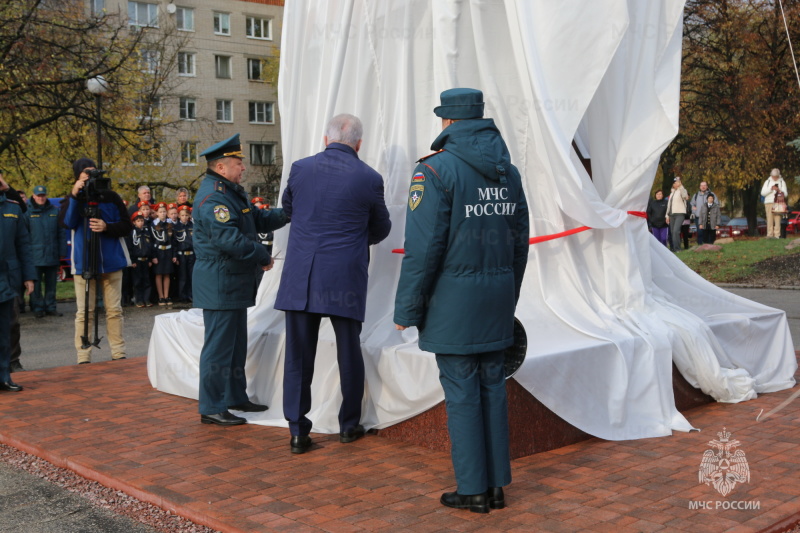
{"x": 115, "y": 484}
{"x": 753, "y": 286}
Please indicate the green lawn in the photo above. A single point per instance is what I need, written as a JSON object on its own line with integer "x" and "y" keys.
{"x": 735, "y": 262}
{"x": 65, "y": 290}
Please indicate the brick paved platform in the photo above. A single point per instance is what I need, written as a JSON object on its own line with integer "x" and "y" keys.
{"x": 105, "y": 422}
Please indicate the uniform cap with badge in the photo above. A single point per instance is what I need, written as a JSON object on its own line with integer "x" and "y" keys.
{"x": 460, "y": 104}
{"x": 40, "y": 189}
{"x": 230, "y": 147}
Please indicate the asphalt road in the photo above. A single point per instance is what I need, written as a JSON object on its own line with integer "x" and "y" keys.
{"x": 34, "y": 505}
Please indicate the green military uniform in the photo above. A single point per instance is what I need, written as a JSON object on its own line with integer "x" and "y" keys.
{"x": 224, "y": 281}
{"x": 466, "y": 249}
{"x": 16, "y": 266}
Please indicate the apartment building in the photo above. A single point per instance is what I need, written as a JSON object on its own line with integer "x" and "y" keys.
{"x": 225, "y": 47}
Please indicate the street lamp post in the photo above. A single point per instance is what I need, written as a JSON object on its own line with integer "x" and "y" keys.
{"x": 98, "y": 86}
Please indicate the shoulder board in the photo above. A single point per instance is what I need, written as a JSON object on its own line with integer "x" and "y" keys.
{"x": 11, "y": 201}
{"x": 220, "y": 187}
{"x": 429, "y": 155}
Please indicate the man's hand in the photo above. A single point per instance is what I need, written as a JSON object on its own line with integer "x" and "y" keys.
{"x": 270, "y": 265}
{"x": 155, "y": 261}
{"x": 666, "y": 219}
{"x": 398, "y": 327}
{"x": 80, "y": 183}
{"x": 28, "y": 286}
{"x": 98, "y": 225}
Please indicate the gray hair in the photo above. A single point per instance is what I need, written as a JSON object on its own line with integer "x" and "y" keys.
{"x": 183, "y": 189}
{"x": 143, "y": 188}
{"x": 345, "y": 129}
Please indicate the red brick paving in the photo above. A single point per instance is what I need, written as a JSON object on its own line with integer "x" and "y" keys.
{"x": 106, "y": 423}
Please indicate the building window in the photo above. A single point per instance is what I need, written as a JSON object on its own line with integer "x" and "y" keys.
{"x": 255, "y": 69}
{"x": 259, "y": 28}
{"x": 223, "y": 66}
{"x": 98, "y": 7}
{"x": 262, "y": 154}
{"x": 149, "y": 60}
{"x": 142, "y": 14}
{"x": 184, "y": 18}
{"x": 188, "y": 153}
{"x": 188, "y": 109}
{"x": 224, "y": 111}
{"x": 261, "y": 112}
{"x": 222, "y": 23}
{"x": 186, "y": 62}
{"x": 149, "y": 108}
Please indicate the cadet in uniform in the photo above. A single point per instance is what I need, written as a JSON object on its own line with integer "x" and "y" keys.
{"x": 142, "y": 252}
{"x": 184, "y": 248}
{"x": 228, "y": 258}
{"x": 466, "y": 248}
{"x": 16, "y": 265}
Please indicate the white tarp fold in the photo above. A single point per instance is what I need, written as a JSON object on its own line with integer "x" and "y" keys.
{"x": 608, "y": 310}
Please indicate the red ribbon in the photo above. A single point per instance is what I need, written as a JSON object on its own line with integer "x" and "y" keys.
{"x": 543, "y": 238}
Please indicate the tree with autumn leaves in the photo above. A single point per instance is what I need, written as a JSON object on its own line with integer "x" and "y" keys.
{"x": 48, "y": 51}
{"x": 740, "y": 100}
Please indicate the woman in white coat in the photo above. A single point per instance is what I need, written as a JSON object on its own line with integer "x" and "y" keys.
{"x": 773, "y": 184}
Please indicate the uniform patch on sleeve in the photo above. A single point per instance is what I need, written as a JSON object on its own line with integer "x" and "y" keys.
{"x": 415, "y": 196}
{"x": 221, "y": 213}
{"x": 419, "y": 176}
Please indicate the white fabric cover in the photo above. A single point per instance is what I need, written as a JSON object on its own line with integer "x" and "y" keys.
{"x": 606, "y": 310}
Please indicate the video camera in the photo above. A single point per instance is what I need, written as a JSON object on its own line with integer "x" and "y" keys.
{"x": 95, "y": 185}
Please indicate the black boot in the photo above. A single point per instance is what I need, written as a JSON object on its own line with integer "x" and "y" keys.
{"x": 497, "y": 499}
{"x": 477, "y": 503}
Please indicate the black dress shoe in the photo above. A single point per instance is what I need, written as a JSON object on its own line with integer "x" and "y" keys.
{"x": 10, "y": 386}
{"x": 300, "y": 443}
{"x": 478, "y": 503}
{"x": 352, "y": 434}
{"x": 497, "y": 499}
{"x": 54, "y": 313}
{"x": 249, "y": 407}
{"x": 223, "y": 419}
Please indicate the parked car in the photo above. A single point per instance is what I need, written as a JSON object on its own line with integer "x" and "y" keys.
{"x": 721, "y": 232}
{"x": 794, "y": 223}
{"x": 738, "y": 227}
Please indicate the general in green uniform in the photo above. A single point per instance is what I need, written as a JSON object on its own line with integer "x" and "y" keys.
{"x": 224, "y": 281}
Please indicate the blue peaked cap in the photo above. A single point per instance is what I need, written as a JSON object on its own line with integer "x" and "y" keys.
{"x": 230, "y": 147}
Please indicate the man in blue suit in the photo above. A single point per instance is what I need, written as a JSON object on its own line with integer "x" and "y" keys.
{"x": 337, "y": 209}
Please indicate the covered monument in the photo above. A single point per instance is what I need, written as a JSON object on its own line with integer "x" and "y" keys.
{"x": 607, "y": 310}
